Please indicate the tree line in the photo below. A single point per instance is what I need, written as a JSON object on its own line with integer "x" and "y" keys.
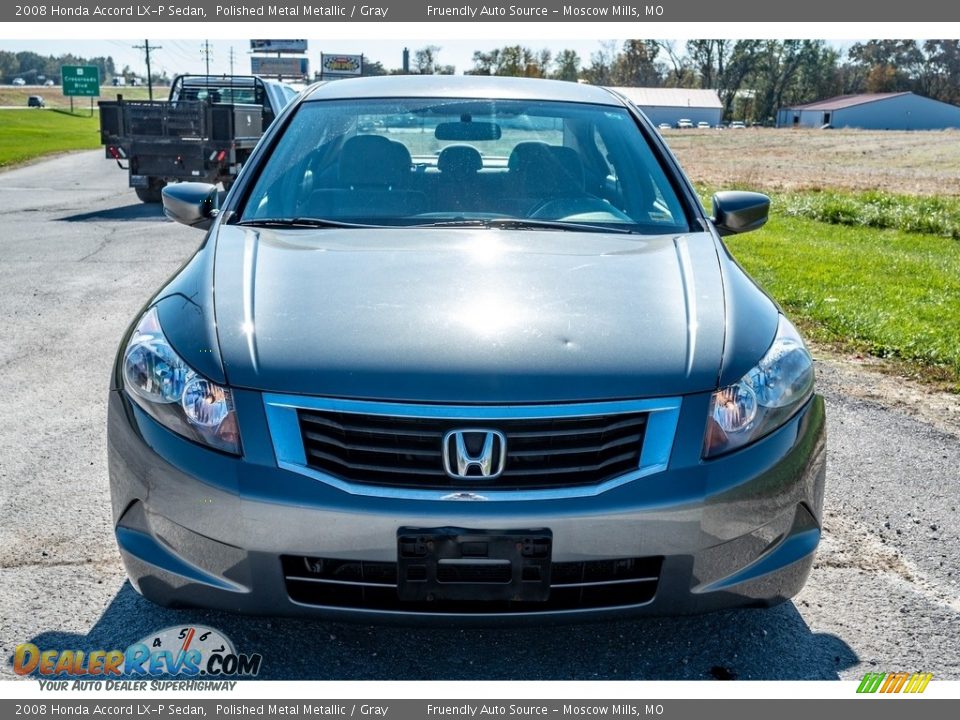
{"x": 753, "y": 78}
{"x": 34, "y": 68}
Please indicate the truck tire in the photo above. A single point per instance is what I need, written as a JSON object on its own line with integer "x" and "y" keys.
{"x": 152, "y": 193}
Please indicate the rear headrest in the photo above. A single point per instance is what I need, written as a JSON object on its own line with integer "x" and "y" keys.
{"x": 527, "y": 156}
{"x": 570, "y": 164}
{"x": 373, "y": 160}
{"x": 551, "y": 168}
{"x": 459, "y": 160}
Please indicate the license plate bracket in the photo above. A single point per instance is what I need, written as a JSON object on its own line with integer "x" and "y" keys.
{"x": 436, "y": 564}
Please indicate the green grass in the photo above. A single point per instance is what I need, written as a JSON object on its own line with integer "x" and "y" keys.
{"x": 890, "y": 293}
{"x": 931, "y": 215}
{"x": 12, "y": 96}
{"x": 28, "y": 134}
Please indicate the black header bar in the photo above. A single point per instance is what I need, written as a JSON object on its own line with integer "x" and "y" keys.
{"x": 630, "y": 13}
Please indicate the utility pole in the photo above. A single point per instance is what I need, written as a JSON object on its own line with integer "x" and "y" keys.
{"x": 146, "y": 48}
{"x": 231, "y": 59}
{"x": 206, "y": 54}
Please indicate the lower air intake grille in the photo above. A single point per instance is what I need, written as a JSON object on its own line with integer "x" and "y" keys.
{"x": 373, "y": 586}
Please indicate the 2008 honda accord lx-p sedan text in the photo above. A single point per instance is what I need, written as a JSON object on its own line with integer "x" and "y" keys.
{"x": 457, "y": 349}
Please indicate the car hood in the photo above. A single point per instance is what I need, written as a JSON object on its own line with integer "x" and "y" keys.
{"x": 468, "y": 315}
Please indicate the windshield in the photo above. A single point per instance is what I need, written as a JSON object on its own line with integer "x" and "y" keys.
{"x": 404, "y": 162}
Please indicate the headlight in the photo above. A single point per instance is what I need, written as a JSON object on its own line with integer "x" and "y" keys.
{"x": 763, "y": 399}
{"x": 170, "y": 391}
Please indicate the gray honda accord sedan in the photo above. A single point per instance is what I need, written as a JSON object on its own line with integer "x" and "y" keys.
{"x": 460, "y": 349}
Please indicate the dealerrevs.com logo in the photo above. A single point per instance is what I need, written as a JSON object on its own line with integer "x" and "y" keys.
{"x": 192, "y": 651}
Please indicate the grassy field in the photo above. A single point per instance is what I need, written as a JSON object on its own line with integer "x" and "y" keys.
{"x": 908, "y": 163}
{"x": 888, "y": 293}
{"x": 11, "y": 96}
{"x": 863, "y": 245}
{"x": 27, "y": 134}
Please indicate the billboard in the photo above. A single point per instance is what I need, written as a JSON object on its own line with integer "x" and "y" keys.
{"x": 278, "y": 46}
{"x": 282, "y": 66}
{"x": 80, "y": 80}
{"x": 341, "y": 64}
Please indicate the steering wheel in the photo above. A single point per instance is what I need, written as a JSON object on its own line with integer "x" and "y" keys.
{"x": 559, "y": 208}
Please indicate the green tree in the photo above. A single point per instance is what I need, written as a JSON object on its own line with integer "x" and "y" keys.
{"x": 600, "y": 71}
{"x": 566, "y": 66}
{"x": 9, "y": 66}
{"x": 940, "y": 78}
{"x": 512, "y": 61}
{"x": 425, "y": 60}
{"x": 887, "y": 65}
{"x": 677, "y": 71}
{"x": 635, "y": 65}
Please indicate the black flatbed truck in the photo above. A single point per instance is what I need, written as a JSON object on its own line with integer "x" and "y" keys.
{"x": 204, "y": 132}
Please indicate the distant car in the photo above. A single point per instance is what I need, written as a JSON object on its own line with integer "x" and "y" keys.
{"x": 737, "y": 125}
{"x": 684, "y": 123}
{"x": 19, "y": 82}
{"x": 665, "y": 126}
{"x": 35, "y": 101}
{"x": 703, "y": 125}
{"x": 48, "y": 83}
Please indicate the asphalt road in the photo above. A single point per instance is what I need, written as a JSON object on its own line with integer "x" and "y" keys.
{"x": 79, "y": 256}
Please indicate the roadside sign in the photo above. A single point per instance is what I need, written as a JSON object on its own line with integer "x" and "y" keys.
{"x": 279, "y": 46}
{"x": 341, "y": 64}
{"x": 288, "y": 67}
{"x": 80, "y": 80}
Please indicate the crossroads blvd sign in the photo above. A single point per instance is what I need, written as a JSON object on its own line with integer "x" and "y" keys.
{"x": 80, "y": 80}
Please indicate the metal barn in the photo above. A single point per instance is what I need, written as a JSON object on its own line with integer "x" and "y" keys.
{"x": 669, "y": 105}
{"x": 873, "y": 111}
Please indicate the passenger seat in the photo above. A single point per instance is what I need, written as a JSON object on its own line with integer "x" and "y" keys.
{"x": 373, "y": 172}
{"x": 458, "y": 188}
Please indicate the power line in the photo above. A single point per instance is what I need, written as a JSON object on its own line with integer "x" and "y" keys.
{"x": 185, "y": 55}
{"x": 146, "y": 48}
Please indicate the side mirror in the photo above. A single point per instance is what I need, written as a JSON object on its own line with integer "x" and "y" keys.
{"x": 191, "y": 203}
{"x": 736, "y": 211}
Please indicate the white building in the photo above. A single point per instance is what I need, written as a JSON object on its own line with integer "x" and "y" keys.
{"x": 873, "y": 111}
{"x": 669, "y": 105}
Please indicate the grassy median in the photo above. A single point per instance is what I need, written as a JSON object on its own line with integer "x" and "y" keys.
{"x": 28, "y": 134}
{"x": 891, "y": 293}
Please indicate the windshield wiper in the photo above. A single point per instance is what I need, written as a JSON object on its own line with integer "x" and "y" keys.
{"x": 527, "y": 224}
{"x": 308, "y": 222}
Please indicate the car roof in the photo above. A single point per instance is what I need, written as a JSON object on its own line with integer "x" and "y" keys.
{"x": 460, "y": 86}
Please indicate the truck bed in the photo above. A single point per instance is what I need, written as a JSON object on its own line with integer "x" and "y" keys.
{"x": 123, "y": 121}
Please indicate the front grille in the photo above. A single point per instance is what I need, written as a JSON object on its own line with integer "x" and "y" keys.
{"x": 407, "y": 452}
{"x": 373, "y": 586}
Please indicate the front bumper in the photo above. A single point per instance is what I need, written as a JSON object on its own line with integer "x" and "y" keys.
{"x": 199, "y": 528}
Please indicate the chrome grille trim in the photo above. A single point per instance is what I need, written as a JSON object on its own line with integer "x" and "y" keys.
{"x": 284, "y": 424}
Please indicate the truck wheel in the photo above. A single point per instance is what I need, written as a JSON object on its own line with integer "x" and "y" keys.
{"x": 151, "y": 193}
